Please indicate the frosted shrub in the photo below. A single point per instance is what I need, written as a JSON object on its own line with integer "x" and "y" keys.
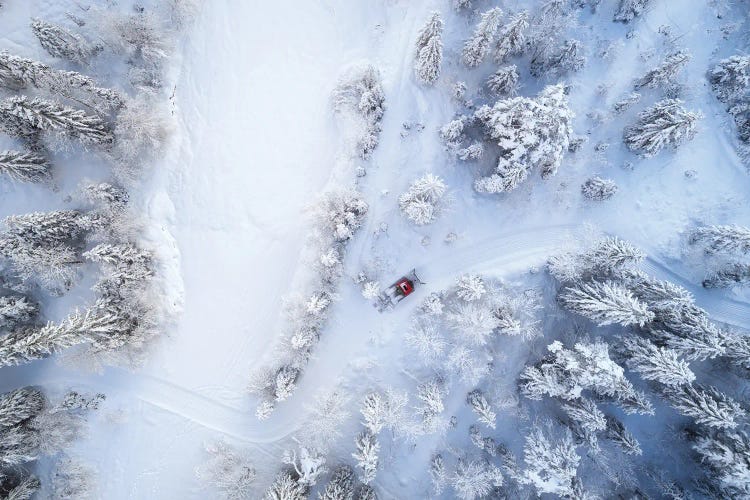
{"x": 72, "y": 480}
{"x": 598, "y": 189}
{"x": 424, "y": 199}
{"x": 533, "y": 133}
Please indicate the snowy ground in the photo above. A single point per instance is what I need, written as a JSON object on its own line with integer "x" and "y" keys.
{"x": 257, "y": 142}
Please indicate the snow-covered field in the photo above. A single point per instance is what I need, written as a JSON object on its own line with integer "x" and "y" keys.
{"x": 227, "y": 211}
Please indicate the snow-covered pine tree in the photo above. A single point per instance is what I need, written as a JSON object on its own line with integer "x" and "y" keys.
{"x": 365, "y": 492}
{"x": 728, "y": 275}
{"x": 666, "y": 123}
{"x": 20, "y": 405}
{"x": 23, "y": 489}
{"x": 727, "y": 455}
{"x": 586, "y": 414}
{"x": 626, "y": 102}
{"x": 730, "y": 78}
{"x": 16, "y": 310}
{"x": 511, "y": 40}
{"x": 728, "y": 239}
{"x": 475, "y": 479}
{"x": 557, "y": 61}
{"x": 598, "y": 189}
{"x": 599, "y": 262}
{"x": 339, "y": 214}
{"x": 618, "y": 434}
{"x": 72, "y": 480}
{"x": 659, "y": 364}
{"x": 533, "y": 133}
{"x": 707, "y": 405}
{"x": 46, "y": 228}
{"x": 53, "y": 117}
{"x": 438, "y": 474}
{"x": 665, "y": 72}
{"x": 25, "y": 166}
{"x": 605, "y": 303}
{"x": 63, "y": 43}
{"x": 473, "y": 151}
{"x": 452, "y": 132}
{"x": 478, "y": 46}
{"x": 470, "y": 287}
{"x": 630, "y": 9}
{"x": 227, "y": 471}
{"x": 504, "y": 81}
{"x": 366, "y": 455}
{"x": 474, "y": 322}
{"x": 341, "y": 485}
{"x": 481, "y": 407}
{"x": 431, "y": 395}
{"x": 429, "y": 50}
{"x": 17, "y": 73}
{"x": 125, "y": 268}
{"x": 26, "y": 345}
{"x": 286, "y": 487}
{"x": 550, "y": 466}
{"x": 424, "y": 199}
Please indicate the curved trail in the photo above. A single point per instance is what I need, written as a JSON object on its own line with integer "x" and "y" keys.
{"x": 502, "y": 254}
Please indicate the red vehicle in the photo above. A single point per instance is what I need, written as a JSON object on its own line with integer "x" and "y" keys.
{"x": 399, "y": 290}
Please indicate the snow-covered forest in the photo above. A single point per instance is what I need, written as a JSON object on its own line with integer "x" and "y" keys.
{"x": 353, "y": 250}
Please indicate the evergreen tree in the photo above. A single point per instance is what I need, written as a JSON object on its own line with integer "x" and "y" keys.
{"x": 666, "y": 123}
{"x": 707, "y": 405}
{"x": 478, "y": 46}
{"x": 429, "y": 54}
{"x": 553, "y": 62}
{"x": 599, "y": 189}
{"x": 727, "y": 454}
{"x": 729, "y": 275}
{"x": 656, "y": 363}
{"x": 630, "y": 9}
{"x": 665, "y": 72}
{"x": 52, "y": 117}
{"x": 365, "y": 492}
{"x": 470, "y": 287}
{"x": 475, "y": 479}
{"x": 25, "y": 489}
{"x": 24, "y": 346}
{"x": 618, "y": 434}
{"x": 511, "y": 40}
{"x": 437, "y": 473}
{"x": 605, "y": 303}
{"x": 366, "y": 455}
{"x": 20, "y": 405}
{"x": 728, "y": 239}
{"x": 341, "y": 485}
{"x": 62, "y": 43}
{"x": 423, "y": 201}
{"x": 16, "y": 310}
{"x": 481, "y": 407}
{"x": 585, "y": 413}
{"x": 504, "y": 81}
{"x": 550, "y": 466}
{"x": 285, "y": 487}
{"x": 606, "y": 257}
{"x": 25, "y": 166}
{"x": 532, "y": 133}
{"x": 731, "y": 78}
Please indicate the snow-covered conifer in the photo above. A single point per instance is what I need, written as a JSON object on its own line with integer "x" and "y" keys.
{"x": 598, "y": 189}
{"x": 630, "y": 9}
{"x": 53, "y": 117}
{"x": 727, "y": 239}
{"x": 16, "y": 309}
{"x": 140, "y": 36}
{"x": 656, "y": 363}
{"x": 550, "y": 466}
{"x": 727, "y": 456}
{"x": 473, "y": 151}
{"x": 366, "y": 455}
{"x": 533, "y": 133}
{"x": 504, "y": 81}
{"x": 477, "y": 47}
{"x": 452, "y": 132}
{"x": 585, "y": 413}
{"x": 24, "y": 489}
{"x": 511, "y": 40}
{"x": 481, "y": 407}
{"x": 424, "y": 199}
{"x": 429, "y": 50}
{"x": 665, "y": 72}
{"x": 470, "y": 287}
{"x": 362, "y": 92}
{"x": 618, "y": 434}
{"x": 485, "y": 444}
{"x": 728, "y": 275}
{"x": 605, "y": 303}
{"x": 431, "y": 395}
{"x": 600, "y": 261}
{"x": 731, "y": 78}
{"x": 438, "y": 474}
{"x": 461, "y": 4}
{"x": 24, "y": 166}
{"x": 569, "y": 56}
{"x": 341, "y": 485}
{"x": 285, "y": 487}
{"x": 227, "y": 471}
{"x": 374, "y": 410}
{"x": 475, "y": 479}
{"x": 365, "y": 492}
{"x": 340, "y": 214}
{"x": 707, "y": 405}
{"x": 63, "y": 43}
{"x": 666, "y": 123}
{"x": 20, "y": 405}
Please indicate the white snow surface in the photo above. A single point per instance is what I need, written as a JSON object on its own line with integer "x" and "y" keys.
{"x": 257, "y": 142}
